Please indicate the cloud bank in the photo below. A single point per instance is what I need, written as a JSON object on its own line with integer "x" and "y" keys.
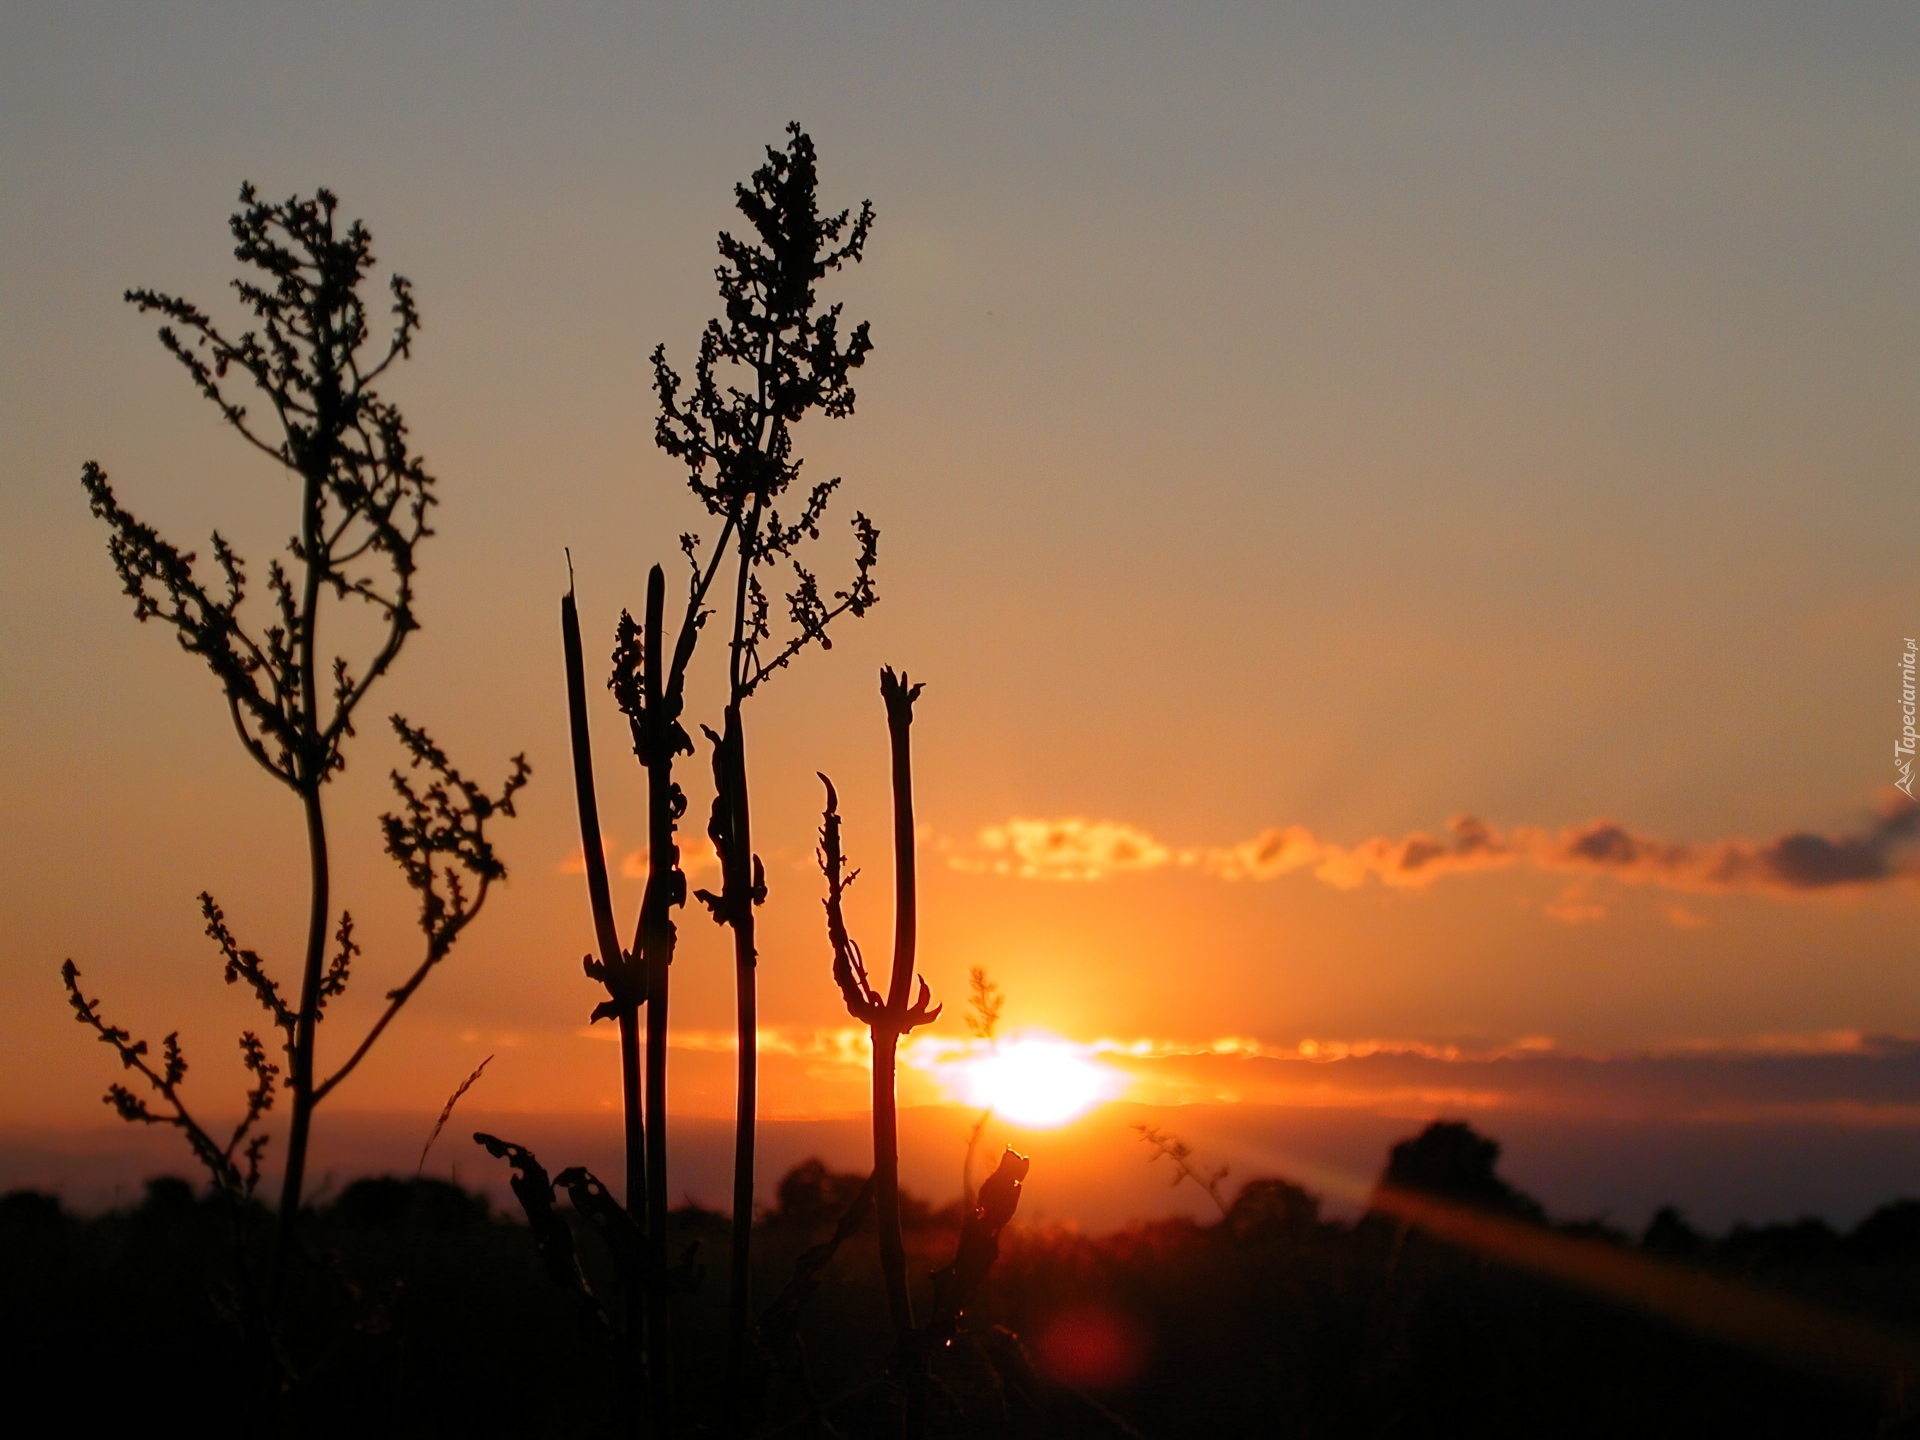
{"x": 1794, "y": 863}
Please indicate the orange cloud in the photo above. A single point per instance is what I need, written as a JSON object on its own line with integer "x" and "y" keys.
{"x": 1798, "y": 862}
{"x": 1065, "y": 850}
{"x": 1574, "y": 907}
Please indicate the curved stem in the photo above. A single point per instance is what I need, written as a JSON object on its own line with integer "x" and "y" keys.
{"x": 310, "y": 756}
{"x": 300, "y": 1063}
{"x": 696, "y": 597}
{"x": 737, "y": 647}
{"x": 436, "y": 952}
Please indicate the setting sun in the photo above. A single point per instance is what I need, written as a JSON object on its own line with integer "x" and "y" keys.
{"x": 1037, "y": 1081}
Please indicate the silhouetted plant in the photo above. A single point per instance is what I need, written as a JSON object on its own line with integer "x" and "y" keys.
{"x": 955, "y": 1286}
{"x": 446, "y": 1114}
{"x": 903, "y": 1009}
{"x": 552, "y": 1240}
{"x": 1173, "y": 1148}
{"x": 364, "y": 503}
{"x": 984, "y": 1002}
{"x": 736, "y": 440}
{"x": 737, "y": 445}
{"x": 979, "y": 1245}
{"x": 890, "y": 1017}
{"x": 777, "y": 1332}
{"x": 649, "y": 687}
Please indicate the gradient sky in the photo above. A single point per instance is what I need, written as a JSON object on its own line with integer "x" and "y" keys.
{"x": 1346, "y": 418}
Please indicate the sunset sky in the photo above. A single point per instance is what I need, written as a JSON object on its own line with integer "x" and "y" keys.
{"x": 1405, "y": 515}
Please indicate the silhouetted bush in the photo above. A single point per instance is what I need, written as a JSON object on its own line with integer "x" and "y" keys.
{"x": 387, "y": 1202}
{"x": 27, "y": 1214}
{"x": 1668, "y": 1233}
{"x": 1892, "y": 1230}
{"x": 1807, "y": 1238}
{"x": 1271, "y": 1210}
{"x": 1453, "y": 1161}
{"x": 810, "y": 1196}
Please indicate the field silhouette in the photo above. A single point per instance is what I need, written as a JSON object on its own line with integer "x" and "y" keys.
{"x": 438, "y": 1317}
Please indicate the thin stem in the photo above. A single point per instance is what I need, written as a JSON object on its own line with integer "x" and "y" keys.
{"x": 634, "y": 1281}
{"x": 690, "y": 626}
{"x": 616, "y": 970}
{"x": 738, "y": 887}
{"x": 300, "y": 1062}
{"x": 886, "y": 1181}
{"x": 736, "y": 650}
{"x": 906, "y": 909}
{"x": 886, "y": 1032}
{"x": 740, "y": 884}
{"x": 311, "y": 759}
{"x": 614, "y": 966}
{"x": 659, "y": 937}
{"x": 436, "y": 952}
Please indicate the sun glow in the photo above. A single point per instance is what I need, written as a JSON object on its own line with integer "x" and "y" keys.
{"x": 1034, "y": 1080}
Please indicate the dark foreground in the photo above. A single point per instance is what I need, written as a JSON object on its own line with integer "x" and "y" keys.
{"x": 424, "y": 1314}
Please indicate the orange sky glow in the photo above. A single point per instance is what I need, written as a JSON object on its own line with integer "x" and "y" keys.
{"x": 1406, "y": 528}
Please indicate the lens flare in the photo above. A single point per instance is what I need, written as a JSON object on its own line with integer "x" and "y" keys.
{"x": 1091, "y": 1346}
{"x": 1036, "y": 1081}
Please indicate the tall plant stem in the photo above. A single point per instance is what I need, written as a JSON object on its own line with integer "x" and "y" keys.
{"x": 633, "y": 1281}
{"x": 740, "y": 887}
{"x": 886, "y": 1034}
{"x": 312, "y": 764}
{"x": 616, "y": 965}
{"x": 600, "y": 897}
{"x": 664, "y": 885}
{"x": 635, "y": 1135}
{"x": 886, "y": 1180}
{"x": 300, "y": 1063}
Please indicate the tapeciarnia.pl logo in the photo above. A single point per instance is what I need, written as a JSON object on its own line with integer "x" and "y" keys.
{"x": 1904, "y": 745}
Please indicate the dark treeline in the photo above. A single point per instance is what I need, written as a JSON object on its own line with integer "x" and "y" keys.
{"x": 440, "y": 1318}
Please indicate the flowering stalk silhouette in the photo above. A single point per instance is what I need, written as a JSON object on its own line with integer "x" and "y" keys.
{"x": 365, "y": 498}
{"x": 775, "y": 357}
{"x": 736, "y": 441}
